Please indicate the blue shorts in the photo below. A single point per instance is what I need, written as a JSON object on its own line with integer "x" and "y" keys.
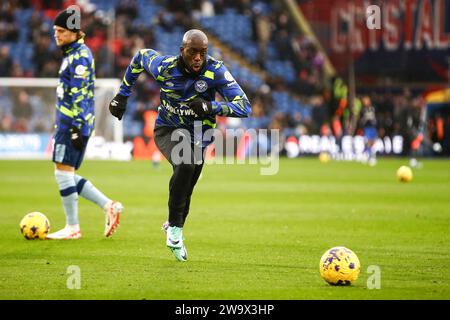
{"x": 370, "y": 133}
{"x": 64, "y": 152}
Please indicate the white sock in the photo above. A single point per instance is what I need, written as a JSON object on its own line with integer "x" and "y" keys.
{"x": 88, "y": 191}
{"x": 69, "y": 195}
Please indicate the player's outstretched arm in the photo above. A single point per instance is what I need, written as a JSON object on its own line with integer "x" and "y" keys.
{"x": 145, "y": 59}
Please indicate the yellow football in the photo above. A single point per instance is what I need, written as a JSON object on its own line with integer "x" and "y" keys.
{"x": 34, "y": 225}
{"x": 339, "y": 266}
{"x": 404, "y": 174}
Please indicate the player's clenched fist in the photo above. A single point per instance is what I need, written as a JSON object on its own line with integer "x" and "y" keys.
{"x": 201, "y": 108}
{"x": 118, "y": 105}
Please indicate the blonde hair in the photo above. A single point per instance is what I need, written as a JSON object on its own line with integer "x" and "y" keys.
{"x": 80, "y": 35}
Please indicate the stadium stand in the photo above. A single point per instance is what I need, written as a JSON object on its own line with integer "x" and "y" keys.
{"x": 280, "y": 68}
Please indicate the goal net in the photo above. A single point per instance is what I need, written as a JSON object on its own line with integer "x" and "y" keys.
{"x": 27, "y": 115}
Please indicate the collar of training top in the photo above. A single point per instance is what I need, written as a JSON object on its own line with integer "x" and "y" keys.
{"x": 68, "y": 48}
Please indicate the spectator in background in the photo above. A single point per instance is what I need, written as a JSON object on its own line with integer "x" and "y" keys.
{"x": 295, "y": 124}
{"x": 207, "y": 9}
{"x": 165, "y": 20}
{"x": 22, "y": 112}
{"x": 50, "y": 69}
{"x": 34, "y": 26}
{"x": 6, "y": 122}
{"x": 9, "y": 30}
{"x": 49, "y": 4}
{"x": 147, "y": 35}
{"x": 278, "y": 121}
{"x": 385, "y": 116}
{"x": 283, "y": 43}
{"x": 43, "y": 56}
{"x": 319, "y": 113}
{"x": 316, "y": 60}
{"x": 263, "y": 32}
{"x": 128, "y": 8}
{"x": 203, "y": 9}
{"x": 265, "y": 94}
{"x": 17, "y": 70}
{"x": 6, "y": 63}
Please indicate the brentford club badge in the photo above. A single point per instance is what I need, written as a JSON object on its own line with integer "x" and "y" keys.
{"x": 201, "y": 86}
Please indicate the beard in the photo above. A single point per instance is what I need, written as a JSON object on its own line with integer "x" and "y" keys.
{"x": 187, "y": 70}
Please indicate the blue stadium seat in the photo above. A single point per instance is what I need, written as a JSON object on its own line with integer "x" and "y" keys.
{"x": 5, "y": 103}
{"x": 225, "y": 26}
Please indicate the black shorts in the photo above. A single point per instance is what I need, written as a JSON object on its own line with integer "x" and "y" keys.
{"x": 176, "y": 146}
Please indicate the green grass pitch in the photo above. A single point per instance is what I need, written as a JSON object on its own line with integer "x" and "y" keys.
{"x": 248, "y": 236}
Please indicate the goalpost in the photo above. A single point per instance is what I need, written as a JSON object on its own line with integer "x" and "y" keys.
{"x": 27, "y": 113}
